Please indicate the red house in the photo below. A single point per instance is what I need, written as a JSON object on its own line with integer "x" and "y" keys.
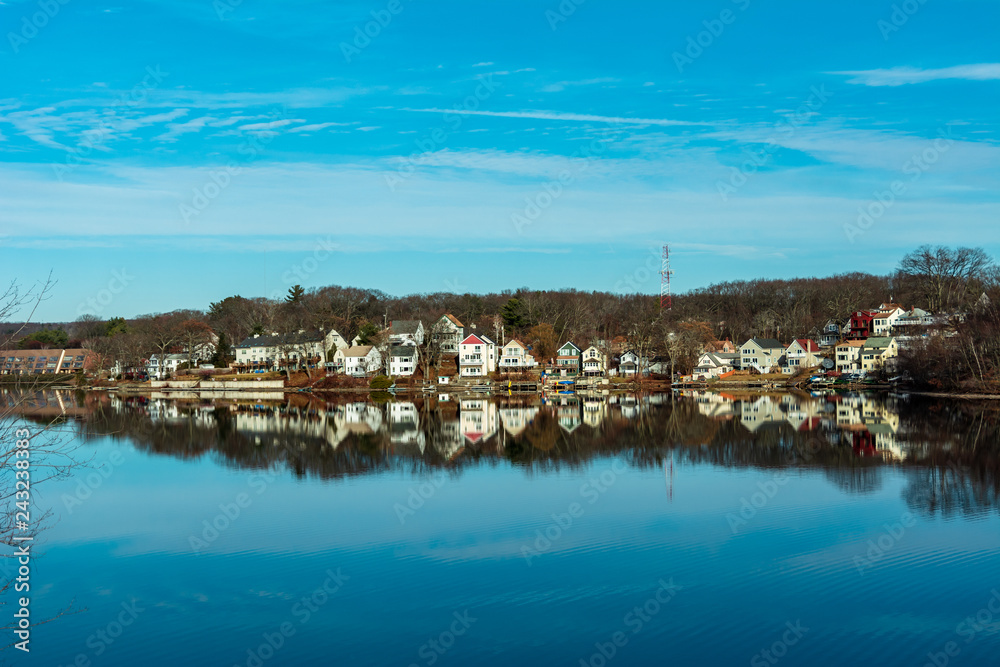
{"x": 862, "y": 322}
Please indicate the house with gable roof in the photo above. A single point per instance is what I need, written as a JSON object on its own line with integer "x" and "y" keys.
{"x": 477, "y": 356}
{"x": 802, "y": 353}
{"x": 448, "y": 333}
{"x": 514, "y": 356}
{"x": 406, "y": 332}
{"x": 761, "y": 354}
{"x": 568, "y": 359}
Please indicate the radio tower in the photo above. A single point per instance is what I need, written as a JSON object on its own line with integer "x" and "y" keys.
{"x": 666, "y": 301}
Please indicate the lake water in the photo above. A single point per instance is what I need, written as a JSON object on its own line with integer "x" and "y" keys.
{"x": 693, "y": 529}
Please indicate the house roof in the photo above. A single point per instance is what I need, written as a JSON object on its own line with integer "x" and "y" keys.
{"x": 400, "y": 327}
{"x": 452, "y": 319}
{"x": 570, "y": 343}
{"x": 877, "y": 342}
{"x": 472, "y": 339}
{"x": 852, "y": 343}
{"x": 274, "y": 340}
{"x": 766, "y": 343}
{"x": 515, "y": 341}
{"x": 403, "y": 351}
{"x": 807, "y": 344}
{"x": 358, "y": 351}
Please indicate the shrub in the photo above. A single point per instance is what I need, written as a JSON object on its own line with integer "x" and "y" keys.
{"x": 380, "y": 382}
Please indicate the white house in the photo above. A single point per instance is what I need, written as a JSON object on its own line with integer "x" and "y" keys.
{"x": 713, "y": 364}
{"x": 358, "y": 360}
{"x": 268, "y": 352}
{"x": 406, "y": 332}
{"x": 168, "y": 368}
{"x": 514, "y": 356}
{"x": 477, "y": 356}
{"x": 630, "y": 363}
{"x": 885, "y": 319}
{"x": 479, "y": 419}
{"x": 802, "y": 353}
{"x": 448, "y": 333}
{"x": 595, "y": 362}
{"x": 761, "y": 354}
{"x": 849, "y": 356}
{"x": 402, "y": 360}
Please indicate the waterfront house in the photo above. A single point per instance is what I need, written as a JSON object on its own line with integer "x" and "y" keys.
{"x": 879, "y": 353}
{"x": 595, "y": 362}
{"x": 402, "y": 360}
{"x": 168, "y": 368}
{"x": 802, "y": 353}
{"x": 406, "y": 332}
{"x": 514, "y": 356}
{"x": 849, "y": 356}
{"x": 568, "y": 359}
{"x": 630, "y": 364}
{"x": 477, "y": 356}
{"x": 274, "y": 351}
{"x": 761, "y": 354}
{"x": 723, "y": 346}
{"x": 34, "y": 362}
{"x": 447, "y": 333}
{"x": 358, "y": 360}
{"x": 713, "y": 364}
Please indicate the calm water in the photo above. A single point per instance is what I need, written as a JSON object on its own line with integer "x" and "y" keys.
{"x": 689, "y": 530}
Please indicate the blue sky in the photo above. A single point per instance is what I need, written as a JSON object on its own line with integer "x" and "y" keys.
{"x": 158, "y": 155}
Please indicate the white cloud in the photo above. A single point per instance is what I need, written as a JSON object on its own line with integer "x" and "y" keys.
{"x": 316, "y": 127}
{"x": 483, "y": 64}
{"x": 571, "y": 117}
{"x": 898, "y": 76}
{"x": 559, "y": 86}
{"x": 271, "y": 125}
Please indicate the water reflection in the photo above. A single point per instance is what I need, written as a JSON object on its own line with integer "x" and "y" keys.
{"x": 948, "y": 448}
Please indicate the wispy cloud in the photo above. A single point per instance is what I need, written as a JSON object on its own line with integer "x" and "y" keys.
{"x": 559, "y": 86}
{"x": 571, "y": 117}
{"x": 899, "y": 76}
{"x": 271, "y": 125}
{"x": 315, "y": 127}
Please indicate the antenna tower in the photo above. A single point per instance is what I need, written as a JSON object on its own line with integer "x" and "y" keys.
{"x": 666, "y": 300}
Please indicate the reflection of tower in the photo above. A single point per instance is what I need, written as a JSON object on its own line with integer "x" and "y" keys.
{"x": 666, "y": 300}
{"x": 668, "y": 472}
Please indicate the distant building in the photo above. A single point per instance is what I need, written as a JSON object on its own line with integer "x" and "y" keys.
{"x": 802, "y": 353}
{"x": 402, "y": 360}
{"x": 595, "y": 362}
{"x": 358, "y": 360}
{"x": 406, "y": 332}
{"x": 477, "y": 356}
{"x": 761, "y": 354}
{"x": 568, "y": 359}
{"x": 713, "y": 364}
{"x": 447, "y": 333}
{"x": 515, "y": 357}
{"x": 849, "y": 356}
{"x": 274, "y": 351}
{"x": 35, "y": 362}
{"x": 879, "y": 353}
